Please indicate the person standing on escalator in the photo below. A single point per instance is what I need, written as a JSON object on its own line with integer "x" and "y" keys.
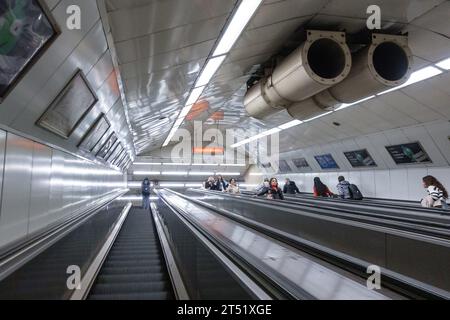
{"x": 290, "y": 187}
{"x": 320, "y": 189}
{"x": 145, "y": 190}
{"x": 273, "y": 191}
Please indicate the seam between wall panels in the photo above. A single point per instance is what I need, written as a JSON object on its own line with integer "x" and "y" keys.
{"x": 437, "y": 145}
{"x": 3, "y": 174}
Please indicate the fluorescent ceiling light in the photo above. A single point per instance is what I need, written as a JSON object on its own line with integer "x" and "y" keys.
{"x": 200, "y": 173}
{"x": 266, "y": 133}
{"x": 444, "y": 64}
{"x": 174, "y": 173}
{"x": 317, "y": 117}
{"x": 233, "y": 165}
{"x": 419, "y": 75}
{"x": 240, "y": 19}
{"x": 147, "y": 163}
{"x": 176, "y": 164}
{"x": 185, "y": 111}
{"x": 179, "y": 185}
{"x": 228, "y": 173}
{"x": 144, "y": 173}
{"x": 199, "y": 184}
{"x": 195, "y": 94}
{"x": 209, "y": 71}
{"x": 206, "y": 164}
{"x": 178, "y": 122}
{"x": 290, "y": 124}
{"x": 346, "y": 105}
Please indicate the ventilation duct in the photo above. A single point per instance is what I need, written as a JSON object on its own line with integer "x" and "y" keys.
{"x": 322, "y": 61}
{"x": 384, "y": 64}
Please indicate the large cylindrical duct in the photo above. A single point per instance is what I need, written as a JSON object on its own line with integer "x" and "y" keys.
{"x": 384, "y": 64}
{"x": 323, "y": 60}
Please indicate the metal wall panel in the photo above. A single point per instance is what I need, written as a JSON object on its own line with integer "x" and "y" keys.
{"x": 16, "y": 189}
{"x": 2, "y": 161}
{"x": 40, "y": 187}
{"x": 56, "y": 185}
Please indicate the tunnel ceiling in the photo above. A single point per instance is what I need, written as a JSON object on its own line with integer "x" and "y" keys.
{"x": 162, "y": 45}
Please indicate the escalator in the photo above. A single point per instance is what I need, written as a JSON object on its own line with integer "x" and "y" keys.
{"x": 135, "y": 267}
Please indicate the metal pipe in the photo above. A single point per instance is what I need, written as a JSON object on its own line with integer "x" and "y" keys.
{"x": 385, "y": 63}
{"x": 322, "y": 61}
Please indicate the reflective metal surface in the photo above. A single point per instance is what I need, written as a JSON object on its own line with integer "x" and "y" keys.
{"x": 362, "y": 240}
{"x": 42, "y": 186}
{"x": 280, "y": 260}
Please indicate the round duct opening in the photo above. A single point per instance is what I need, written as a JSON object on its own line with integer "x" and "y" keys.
{"x": 326, "y": 58}
{"x": 390, "y": 61}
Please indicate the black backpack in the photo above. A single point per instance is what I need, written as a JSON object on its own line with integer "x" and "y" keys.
{"x": 354, "y": 192}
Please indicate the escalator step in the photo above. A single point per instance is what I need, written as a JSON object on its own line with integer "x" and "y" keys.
{"x": 133, "y": 296}
{"x": 138, "y": 277}
{"x": 130, "y": 287}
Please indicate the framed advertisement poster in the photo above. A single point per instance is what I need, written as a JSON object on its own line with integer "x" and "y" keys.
{"x": 408, "y": 153}
{"x": 360, "y": 158}
{"x": 326, "y": 161}
{"x": 95, "y": 133}
{"x": 70, "y": 107}
{"x": 301, "y": 163}
{"x": 104, "y": 150}
{"x": 284, "y": 167}
{"x": 26, "y": 31}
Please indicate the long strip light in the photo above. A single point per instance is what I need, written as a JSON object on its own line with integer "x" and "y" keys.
{"x": 234, "y": 29}
{"x": 209, "y": 71}
{"x": 240, "y": 19}
{"x": 145, "y": 173}
{"x": 417, "y": 76}
{"x": 444, "y": 64}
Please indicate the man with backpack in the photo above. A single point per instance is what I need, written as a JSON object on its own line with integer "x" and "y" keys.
{"x": 347, "y": 190}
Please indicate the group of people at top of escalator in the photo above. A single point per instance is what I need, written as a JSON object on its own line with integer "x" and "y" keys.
{"x": 271, "y": 190}
{"x": 218, "y": 183}
{"x": 436, "y": 198}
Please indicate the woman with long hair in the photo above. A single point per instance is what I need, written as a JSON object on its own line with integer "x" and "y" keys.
{"x": 233, "y": 187}
{"x": 320, "y": 189}
{"x": 437, "y": 194}
{"x": 273, "y": 191}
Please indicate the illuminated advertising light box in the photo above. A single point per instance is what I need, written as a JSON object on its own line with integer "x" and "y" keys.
{"x": 326, "y": 161}
{"x": 360, "y": 158}
{"x": 408, "y": 153}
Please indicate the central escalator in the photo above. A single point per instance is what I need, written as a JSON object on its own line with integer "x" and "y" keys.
{"x": 135, "y": 267}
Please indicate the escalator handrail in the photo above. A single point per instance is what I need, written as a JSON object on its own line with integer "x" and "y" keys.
{"x": 355, "y": 265}
{"x": 432, "y": 234}
{"x": 92, "y": 271}
{"x": 19, "y": 255}
{"x": 243, "y": 277}
{"x": 176, "y": 279}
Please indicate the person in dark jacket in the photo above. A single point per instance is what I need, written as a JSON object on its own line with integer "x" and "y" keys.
{"x": 290, "y": 187}
{"x": 221, "y": 184}
{"x": 145, "y": 190}
{"x": 320, "y": 189}
{"x": 273, "y": 191}
{"x": 343, "y": 188}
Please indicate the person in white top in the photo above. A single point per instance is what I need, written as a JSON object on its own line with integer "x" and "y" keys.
{"x": 437, "y": 194}
{"x": 233, "y": 187}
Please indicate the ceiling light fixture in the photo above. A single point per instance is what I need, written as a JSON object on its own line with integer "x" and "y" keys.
{"x": 209, "y": 71}
{"x": 290, "y": 124}
{"x": 144, "y": 173}
{"x": 444, "y": 64}
{"x": 346, "y": 105}
{"x": 241, "y": 17}
{"x": 174, "y": 173}
{"x": 419, "y": 75}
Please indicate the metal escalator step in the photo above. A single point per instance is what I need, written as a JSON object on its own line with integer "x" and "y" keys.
{"x": 130, "y": 287}
{"x": 133, "y": 296}
{"x": 138, "y": 277}
{"x": 140, "y": 263}
{"x": 131, "y": 270}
